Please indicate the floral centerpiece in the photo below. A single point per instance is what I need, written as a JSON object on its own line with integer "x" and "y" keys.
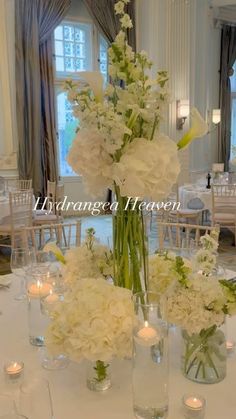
{"x": 195, "y": 299}
{"x": 94, "y": 322}
{"x": 199, "y": 305}
{"x": 119, "y": 145}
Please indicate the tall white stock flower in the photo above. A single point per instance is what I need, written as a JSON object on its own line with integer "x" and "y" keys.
{"x": 126, "y": 22}
{"x": 147, "y": 168}
{"x": 95, "y": 81}
{"x": 88, "y": 157}
{"x": 119, "y": 7}
{"x": 198, "y": 129}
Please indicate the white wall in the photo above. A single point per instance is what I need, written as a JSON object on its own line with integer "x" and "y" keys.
{"x": 204, "y": 81}
{"x": 179, "y": 36}
{"x": 8, "y": 132}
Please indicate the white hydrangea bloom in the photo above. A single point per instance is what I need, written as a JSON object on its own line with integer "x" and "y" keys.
{"x": 198, "y": 307}
{"x": 160, "y": 273}
{"x": 147, "y": 168}
{"x": 94, "y": 322}
{"x": 89, "y": 158}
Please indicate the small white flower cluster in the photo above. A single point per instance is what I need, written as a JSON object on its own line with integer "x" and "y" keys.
{"x": 204, "y": 261}
{"x": 94, "y": 321}
{"x": 205, "y": 258}
{"x": 82, "y": 262}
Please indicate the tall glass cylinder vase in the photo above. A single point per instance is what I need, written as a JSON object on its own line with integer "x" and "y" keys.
{"x": 204, "y": 355}
{"x": 130, "y": 246}
{"x": 150, "y": 359}
{"x": 37, "y": 288}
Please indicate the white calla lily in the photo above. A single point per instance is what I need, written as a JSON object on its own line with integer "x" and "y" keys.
{"x": 198, "y": 129}
{"x": 95, "y": 81}
{"x": 52, "y": 247}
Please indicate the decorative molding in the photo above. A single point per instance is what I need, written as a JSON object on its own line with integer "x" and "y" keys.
{"x": 8, "y": 162}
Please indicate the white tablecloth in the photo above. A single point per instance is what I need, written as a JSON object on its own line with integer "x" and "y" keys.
{"x": 72, "y": 399}
{"x": 189, "y": 192}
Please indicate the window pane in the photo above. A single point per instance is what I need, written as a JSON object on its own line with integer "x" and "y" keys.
{"x": 103, "y": 60}
{"x": 80, "y": 50}
{"x": 59, "y": 33}
{"x": 69, "y": 33}
{"x": 79, "y": 64}
{"x": 69, "y": 64}
{"x": 69, "y": 49}
{"x": 59, "y": 64}
{"x": 79, "y": 35}
{"x": 67, "y": 125}
{"x": 233, "y": 79}
{"x": 71, "y": 41}
{"x": 59, "y": 48}
{"x": 233, "y": 123}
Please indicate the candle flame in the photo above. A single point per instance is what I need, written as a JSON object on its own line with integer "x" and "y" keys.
{"x": 146, "y": 323}
{"x": 39, "y": 284}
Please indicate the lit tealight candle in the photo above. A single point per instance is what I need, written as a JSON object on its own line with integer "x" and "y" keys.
{"x": 230, "y": 346}
{"x": 147, "y": 336}
{"x": 52, "y": 297}
{"x": 194, "y": 403}
{"x": 40, "y": 289}
{"x": 14, "y": 369}
{"x": 194, "y": 406}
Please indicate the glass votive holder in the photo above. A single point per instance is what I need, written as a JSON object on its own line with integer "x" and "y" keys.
{"x": 194, "y": 406}
{"x": 13, "y": 371}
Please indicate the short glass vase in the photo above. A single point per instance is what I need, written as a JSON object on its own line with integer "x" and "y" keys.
{"x": 204, "y": 355}
{"x": 98, "y": 376}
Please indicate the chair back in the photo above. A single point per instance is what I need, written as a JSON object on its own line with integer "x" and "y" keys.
{"x": 16, "y": 184}
{"x": 21, "y": 213}
{"x": 178, "y": 235}
{"x": 65, "y": 235}
{"x": 59, "y": 196}
{"x": 24, "y": 184}
{"x": 2, "y": 184}
{"x": 223, "y": 199}
{"x": 21, "y": 210}
{"x": 51, "y": 195}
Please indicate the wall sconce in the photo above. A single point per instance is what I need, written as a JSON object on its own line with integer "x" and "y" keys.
{"x": 216, "y": 116}
{"x": 182, "y": 112}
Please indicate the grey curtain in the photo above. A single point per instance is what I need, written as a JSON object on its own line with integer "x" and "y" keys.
{"x": 35, "y": 21}
{"x": 228, "y": 57}
{"x": 104, "y": 17}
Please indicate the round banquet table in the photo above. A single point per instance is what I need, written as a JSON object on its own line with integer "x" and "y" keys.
{"x": 189, "y": 192}
{"x": 72, "y": 399}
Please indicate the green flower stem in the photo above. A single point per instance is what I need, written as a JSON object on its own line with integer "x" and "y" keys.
{"x": 129, "y": 246}
{"x": 201, "y": 346}
{"x": 101, "y": 371}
